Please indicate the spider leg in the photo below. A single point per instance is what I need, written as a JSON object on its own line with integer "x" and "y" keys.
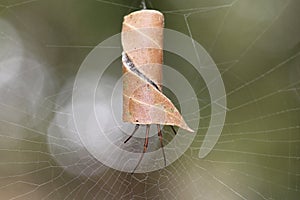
{"x": 161, "y": 143}
{"x": 173, "y": 129}
{"x": 135, "y": 129}
{"x": 145, "y": 147}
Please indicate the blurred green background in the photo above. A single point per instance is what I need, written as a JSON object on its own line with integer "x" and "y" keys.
{"x": 255, "y": 44}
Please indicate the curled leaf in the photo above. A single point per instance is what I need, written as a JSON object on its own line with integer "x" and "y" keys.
{"x": 143, "y": 100}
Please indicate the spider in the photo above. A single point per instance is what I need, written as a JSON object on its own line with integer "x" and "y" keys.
{"x": 146, "y": 141}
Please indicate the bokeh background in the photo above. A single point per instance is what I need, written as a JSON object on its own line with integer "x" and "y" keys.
{"x": 255, "y": 44}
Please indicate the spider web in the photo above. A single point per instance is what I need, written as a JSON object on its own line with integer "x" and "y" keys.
{"x": 255, "y": 45}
